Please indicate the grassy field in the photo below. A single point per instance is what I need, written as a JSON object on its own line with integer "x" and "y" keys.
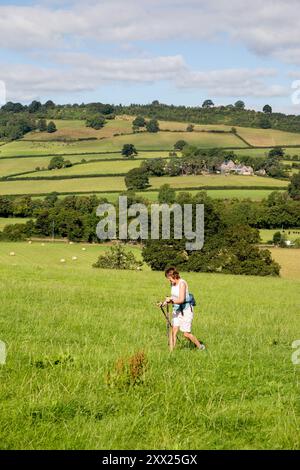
{"x": 289, "y": 260}
{"x": 65, "y": 328}
{"x": 216, "y": 180}
{"x": 9, "y": 166}
{"x": 12, "y": 220}
{"x": 268, "y": 137}
{"x": 77, "y": 129}
{"x": 264, "y": 152}
{"x": 291, "y": 234}
{"x": 142, "y": 141}
{"x": 109, "y": 167}
{"x": 115, "y": 183}
{"x": 254, "y": 195}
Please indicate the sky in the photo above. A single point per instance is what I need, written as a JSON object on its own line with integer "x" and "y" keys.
{"x": 136, "y": 51}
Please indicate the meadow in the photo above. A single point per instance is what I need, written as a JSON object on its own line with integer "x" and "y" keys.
{"x": 12, "y": 165}
{"x": 65, "y": 328}
{"x": 142, "y": 141}
{"x": 290, "y": 234}
{"x": 268, "y": 137}
{"x": 253, "y": 194}
{"x": 117, "y": 183}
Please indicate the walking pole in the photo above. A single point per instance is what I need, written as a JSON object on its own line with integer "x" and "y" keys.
{"x": 169, "y": 330}
{"x": 168, "y": 325}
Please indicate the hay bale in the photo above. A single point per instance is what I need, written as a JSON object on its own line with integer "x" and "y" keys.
{"x": 12, "y": 253}
{"x": 62, "y": 260}
{"x": 74, "y": 258}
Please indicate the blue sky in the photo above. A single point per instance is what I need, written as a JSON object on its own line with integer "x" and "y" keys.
{"x": 138, "y": 51}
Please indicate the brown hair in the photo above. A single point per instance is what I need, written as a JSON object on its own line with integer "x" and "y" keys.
{"x": 172, "y": 272}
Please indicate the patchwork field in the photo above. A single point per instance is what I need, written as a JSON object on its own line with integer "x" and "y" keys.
{"x": 216, "y": 180}
{"x": 77, "y": 130}
{"x": 62, "y": 342}
{"x": 116, "y": 183}
{"x": 142, "y": 141}
{"x": 109, "y": 167}
{"x": 268, "y": 137}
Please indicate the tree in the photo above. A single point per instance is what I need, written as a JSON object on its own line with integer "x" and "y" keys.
{"x": 42, "y": 125}
{"x": 51, "y": 127}
{"x": 264, "y": 122}
{"x": 190, "y": 128}
{"x": 49, "y": 104}
{"x": 180, "y": 144}
{"x": 136, "y": 179}
{"x": 277, "y": 238}
{"x": 239, "y": 104}
{"x": 267, "y": 109}
{"x": 95, "y": 122}
{"x": 139, "y": 121}
{"x": 34, "y": 107}
{"x": 129, "y": 151}
{"x": 294, "y": 187}
{"x": 276, "y": 153}
{"x": 207, "y": 104}
{"x": 56, "y": 163}
{"x": 152, "y": 125}
{"x": 118, "y": 258}
{"x": 166, "y": 194}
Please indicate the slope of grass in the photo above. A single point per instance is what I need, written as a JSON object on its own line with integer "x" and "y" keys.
{"x": 268, "y": 137}
{"x": 65, "y": 327}
{"x": 216, "y": 180}
{"x": 142, "y": 141}
{"x": 109, "y": 167}
{"x": 116, "y": 183}
{"x": 9, "y": 166}
{"x": 77, "y": 129}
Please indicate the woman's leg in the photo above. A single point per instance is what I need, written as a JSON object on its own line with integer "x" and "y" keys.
{"x": 174, "y": 336}
{"x": 193, "y": 339}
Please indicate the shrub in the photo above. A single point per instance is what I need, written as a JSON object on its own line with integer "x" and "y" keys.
{"x": 51, "y": 127}
{"x": 136, "y": 179}
{"x": 128, "y": 372}
{"x": 118, "y": 258}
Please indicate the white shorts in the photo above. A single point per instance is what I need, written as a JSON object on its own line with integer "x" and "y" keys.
{"x": 183, "y": 322}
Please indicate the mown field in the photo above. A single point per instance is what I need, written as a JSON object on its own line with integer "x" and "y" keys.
{"x": 268, "y": 137}
{"x": 290, "y": 234}
{"x": 65, "y": 328}
{"x": 142, "y": 141}
{"x": 253, "y": 194}
{"x": 77, "y": 129}
{"x": 11, "y": 165}
{"x": 109, "y": 167}
{"x": 116, "y": 183}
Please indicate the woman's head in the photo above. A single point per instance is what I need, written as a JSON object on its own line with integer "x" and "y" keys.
{"x": 172, "y": 274}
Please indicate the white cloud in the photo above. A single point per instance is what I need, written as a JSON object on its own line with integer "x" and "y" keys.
{"x": 55, "y": 31}
{"x": 77, "y": 72}
{"x": 267, "y": 28}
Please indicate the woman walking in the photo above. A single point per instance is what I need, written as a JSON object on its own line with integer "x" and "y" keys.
{"x": 182, "y": 308}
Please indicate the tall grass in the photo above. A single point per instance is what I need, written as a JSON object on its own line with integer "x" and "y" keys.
{"x": 66, "y": 327}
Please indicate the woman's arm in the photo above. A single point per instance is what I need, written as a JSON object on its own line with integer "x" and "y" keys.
{"x": 182, "y": 295}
